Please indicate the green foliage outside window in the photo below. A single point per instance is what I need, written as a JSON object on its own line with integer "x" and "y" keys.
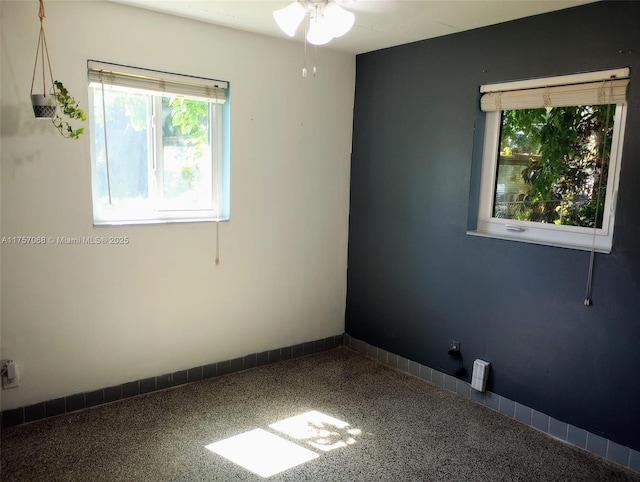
{"x": 189, "y": 120}
{"x": 185, "y": 137}
{"x": 566, "y": 154}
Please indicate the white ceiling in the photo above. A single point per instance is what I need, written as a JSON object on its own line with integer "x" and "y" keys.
{"x": 379, "y": 23}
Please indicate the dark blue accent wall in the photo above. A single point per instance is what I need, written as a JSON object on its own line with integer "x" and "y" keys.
{"x": 416, "y": 280}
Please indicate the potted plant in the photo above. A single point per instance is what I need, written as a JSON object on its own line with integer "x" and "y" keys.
{"x": 58, "y": 102}
{"x": 44, "y": 106}
{"x": 70, "y": 108}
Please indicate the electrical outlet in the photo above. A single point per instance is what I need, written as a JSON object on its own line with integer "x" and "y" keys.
{"x": 10, "y": 375}
{"x": 454, "y": 346}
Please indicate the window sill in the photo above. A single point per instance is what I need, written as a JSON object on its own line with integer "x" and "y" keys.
{"x": 156, "y": 221}
{"x": 557, "y": 244}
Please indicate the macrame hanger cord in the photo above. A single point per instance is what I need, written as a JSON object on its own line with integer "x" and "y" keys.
{"x": 42, "y": 41}
{"x": 602, "y": 93}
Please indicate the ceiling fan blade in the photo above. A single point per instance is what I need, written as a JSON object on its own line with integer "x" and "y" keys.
{"x": 374, "y": 6}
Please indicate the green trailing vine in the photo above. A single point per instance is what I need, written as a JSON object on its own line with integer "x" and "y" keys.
{"x": 71, "y": 109}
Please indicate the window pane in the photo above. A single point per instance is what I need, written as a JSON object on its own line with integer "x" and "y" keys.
{"x": 553, "y": 164}
{"x": 186, "y": 145}
{"x": 159, "y": 158}
{"x": 127, "y": 133}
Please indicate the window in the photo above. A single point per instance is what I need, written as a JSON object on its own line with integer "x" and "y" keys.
{"x": 551, "y": 159}
{"x": 157, "y": 146}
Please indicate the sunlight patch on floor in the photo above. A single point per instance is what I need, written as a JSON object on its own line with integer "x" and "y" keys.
{"x": 318, "y": 430}
{"x": 262, "y": 453}
{"x": 266, "y": 454}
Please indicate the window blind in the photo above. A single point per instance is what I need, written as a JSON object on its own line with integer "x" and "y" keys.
{"x": 605, "y": 91}
{"x": 155, "y": 81}
{"x": 594, "y": 93}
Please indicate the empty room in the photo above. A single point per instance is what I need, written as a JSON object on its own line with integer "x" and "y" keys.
{"x": 321, "y": 240}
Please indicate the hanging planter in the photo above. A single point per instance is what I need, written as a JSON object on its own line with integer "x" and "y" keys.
{"x": 54, "y": 101}
{"x": 44, "y": 106}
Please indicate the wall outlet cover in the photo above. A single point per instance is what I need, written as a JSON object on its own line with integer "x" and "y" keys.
{"x": 6, "y": 383}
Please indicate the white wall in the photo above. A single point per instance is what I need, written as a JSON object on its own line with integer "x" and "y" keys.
{"x": 77, "y": 318}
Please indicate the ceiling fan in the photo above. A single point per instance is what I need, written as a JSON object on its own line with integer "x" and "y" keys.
{"x": 327, "y": 20}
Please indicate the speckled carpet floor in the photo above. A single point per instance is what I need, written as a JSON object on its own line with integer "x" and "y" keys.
{"x": 364, "y": 422}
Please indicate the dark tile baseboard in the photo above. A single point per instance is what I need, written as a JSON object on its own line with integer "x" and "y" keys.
{"x": 81, "y": 401}
{"x": 597, "y": 445}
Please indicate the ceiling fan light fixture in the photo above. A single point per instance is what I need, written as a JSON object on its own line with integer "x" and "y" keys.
{"x": 290, "y": 17}
{"x": 327, "y": 20}
{"x": 338, "y": 19}
{"x": 319, "y": 30}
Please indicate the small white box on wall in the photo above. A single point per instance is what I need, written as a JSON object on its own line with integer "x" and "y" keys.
{"x": 480, "y": 375}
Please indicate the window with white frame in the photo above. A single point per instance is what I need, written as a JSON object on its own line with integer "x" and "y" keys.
{"x": 156, "y": 146}
{"x": 551, "y": 159}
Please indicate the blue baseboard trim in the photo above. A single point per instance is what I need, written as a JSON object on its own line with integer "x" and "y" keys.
{"x": 595, "y": 444}
{"x": 94, "y": 398}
